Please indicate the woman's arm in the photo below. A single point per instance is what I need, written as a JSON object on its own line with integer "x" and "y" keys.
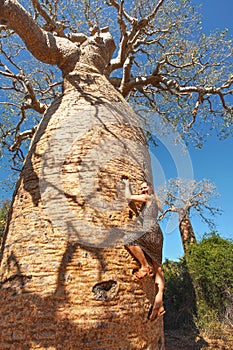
{"x": 139, "y": 198}
{"x": 158, "y": 202}
{"x": 127, "y": 189}
{"x": 133, "y": 197}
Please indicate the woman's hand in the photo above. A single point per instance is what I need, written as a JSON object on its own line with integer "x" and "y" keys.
{"x": 126, "y": 181}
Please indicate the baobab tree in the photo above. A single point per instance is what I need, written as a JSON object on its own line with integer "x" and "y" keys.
{"x": 186, "y": 196}
{"x": 66, "y": 279}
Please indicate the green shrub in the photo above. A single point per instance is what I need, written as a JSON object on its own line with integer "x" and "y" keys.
{"x": 3, "y": 215}
{"x": 199, "y": 287}
{"x": 210, "y": 264}
{"x": 180, "y": 301}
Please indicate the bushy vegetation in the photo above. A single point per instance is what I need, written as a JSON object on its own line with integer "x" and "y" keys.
{"x": 180, "y": 300}
{"x": 3, "y": 215}
{"x": 199, "y": 287}
{"x": 210, "y": 264}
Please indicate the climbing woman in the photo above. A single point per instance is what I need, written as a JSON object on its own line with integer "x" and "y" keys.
{"x": 146, "y": 247}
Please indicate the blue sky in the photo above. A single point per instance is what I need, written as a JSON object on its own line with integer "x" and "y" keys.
{"x": 215, "y": 161}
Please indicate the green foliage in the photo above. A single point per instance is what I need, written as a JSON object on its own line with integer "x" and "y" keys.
{"x": 3, "y": 215}
{"x": 199, "y": 287}
{"x": 180, "y": 298}
{"x": 210, "y": 264}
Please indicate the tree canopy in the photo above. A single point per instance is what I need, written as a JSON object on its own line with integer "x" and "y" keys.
{"x": 190, "y": 196}
{"x": 162, "y": 63}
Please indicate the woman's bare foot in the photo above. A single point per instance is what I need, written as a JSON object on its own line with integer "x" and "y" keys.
{"x": 156, "y": 312}
{"x": 144, "y": 271}
{"x": 157, "y": 309}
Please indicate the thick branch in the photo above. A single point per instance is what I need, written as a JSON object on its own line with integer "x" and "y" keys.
{"x": 164, "y": 83}
{"x": 126, "y": 74}
{"x": 20, "y": 137}
{"x": 168, "y": 210}
{"x": 77, "y": 37}
{"x": 43, "y": 45}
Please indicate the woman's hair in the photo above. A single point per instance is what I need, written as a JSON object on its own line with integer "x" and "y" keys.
{"x": 149, "y": 184}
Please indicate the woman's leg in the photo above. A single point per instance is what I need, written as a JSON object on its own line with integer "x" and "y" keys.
{"x": 157, "y": 309}
{"x": 145, "y": 269}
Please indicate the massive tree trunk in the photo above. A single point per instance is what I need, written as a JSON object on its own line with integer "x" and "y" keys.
{"x": 66, "y": 278}
{"x": 186, "y": 230}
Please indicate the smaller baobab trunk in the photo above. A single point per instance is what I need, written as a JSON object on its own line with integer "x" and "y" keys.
{"x": 186, "y": 230}
{"x": 66, "y": 278}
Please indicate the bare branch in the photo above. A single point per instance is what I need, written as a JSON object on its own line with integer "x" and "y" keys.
{"x": 155, "y": 11}
{"x": 120, "y": 9}
{"x": 182, "y": 196}
{"x": 7, "y": 103}
{"x": 20, "y": 137}
{"x": 121, "y": 22}
{"x": 126, "y": 74}
{"x": 50, "y": 87}
{"x": 128, "y": 37}
{"x": 174, "y": 87}
{"x": 30, "y": 95}
{"x": 43, "y": 45}
{"x": 195, "y": 111}
{"x": 32, "y": 101}
{"x": 122, "y": 52}
{"x": 228, "y": 83}
{"x": 168, "y": 210}
{"x": 51, "y": 25}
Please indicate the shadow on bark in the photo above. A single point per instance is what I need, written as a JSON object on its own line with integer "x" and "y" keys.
{"x": 28, "y": 175}
{"x": 29, "y": 321}
{"x": 42, "y": 327}
{"x": 36, "y": 321}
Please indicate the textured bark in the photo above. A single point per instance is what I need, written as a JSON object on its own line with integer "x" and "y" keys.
{"x": 186, "y": 231}
{"x": 66, "y": 278}
{"x": 48, "y": 295}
